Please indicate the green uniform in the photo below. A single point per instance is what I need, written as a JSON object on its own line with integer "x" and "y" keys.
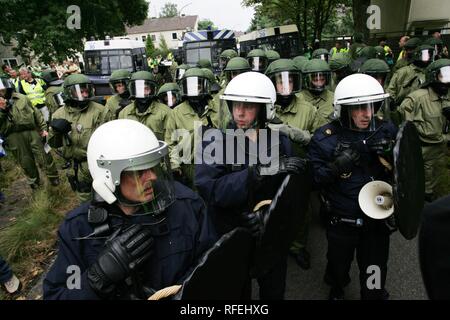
{"x": 183, "y": 116}
{"x": 20, "y": 126}
{"x": 322, "y": 102}
{"x": 424, "y": 108}
{"x": 405, "y": 81}
{"x": 114, "y": 105}
{"x": 155, "y": 117}
{"x": 49, "y": 100}
{"x": 83, "y": 122}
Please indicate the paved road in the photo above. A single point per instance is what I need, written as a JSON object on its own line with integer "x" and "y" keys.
{"x": 403, "y": 282}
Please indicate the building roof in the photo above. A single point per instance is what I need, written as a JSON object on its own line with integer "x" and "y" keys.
{"x": 164, "y": 24}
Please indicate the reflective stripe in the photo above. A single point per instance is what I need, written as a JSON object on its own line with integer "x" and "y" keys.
{"x": 36, "y": 94}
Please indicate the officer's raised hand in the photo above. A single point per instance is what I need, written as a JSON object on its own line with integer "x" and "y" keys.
{"x": 122, "y": 255}
{"x": 344, "y": 161}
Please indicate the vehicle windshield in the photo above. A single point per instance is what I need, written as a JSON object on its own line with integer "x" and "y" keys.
{"x": 104, "y": 62}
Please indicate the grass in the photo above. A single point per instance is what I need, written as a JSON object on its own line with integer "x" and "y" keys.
{"x": 29, "y": 242}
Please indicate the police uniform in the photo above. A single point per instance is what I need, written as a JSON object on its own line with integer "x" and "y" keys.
{"x": 20, "y": 126}
{"x": 228, "y": 189}
{"x": 371, "y": 240}
{"x": 179, "y": 241}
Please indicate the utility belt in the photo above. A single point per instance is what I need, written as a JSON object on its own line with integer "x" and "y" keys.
{"x": 75, "y": 184}
{"x": 353, "y": 222}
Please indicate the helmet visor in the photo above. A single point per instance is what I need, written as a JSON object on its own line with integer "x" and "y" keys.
{"x": 194, "y": 86}
{"x": 142, "y": 89}
{"x": 317, "y": 81}
{"x": 258, "y": 64}
{"x": 286, "y": 83}
{"x": 80, "y": 92}
{"x": 379, "y": 76}
{"x": 241, "y": 115}
{"x": 59, "y": 99}
{"x": 119, "y": 86}
{"x": 169, "y": 98}
{"x": 179, "y": 74}
{"x": 360, "y": 117}
{"x": 152, "y": 188}
{"x": 223, "y": 62}
{"x": 323, "y": 57}
{"x": 444, "y": 75}
{"x": 426, "y": 55}
{"x": 6, "y": 84}
{"x": 232, "y": 74}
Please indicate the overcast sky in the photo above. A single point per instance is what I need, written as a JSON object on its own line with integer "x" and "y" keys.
{"x": 226, "y": 14}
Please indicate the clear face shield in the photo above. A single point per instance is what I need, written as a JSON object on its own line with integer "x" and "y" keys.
{"x": 443, "y": 76}
{"x": 59, "y": 99}
{"x": 223, "y": 62}
{"x": 80, "y": 92}
{"x": 141, "y": 89}
{"x": 241, "y": 115}
{"x": 286, "y": 82}
{"x": 194, "y": 86}
{"x": 361, "y": 117}
{"x": 317, "y": 81}
{"x": 232, "y": 74}
{"x": 149, "y": 183}
{"x": 119, "y": 86}
{"x": 324, "y": 57}
{"x": 169, "y": 98}
{"x": 179, "y": 74}
{"x": 258, "y": 64}
{"x": 426, "y": 56}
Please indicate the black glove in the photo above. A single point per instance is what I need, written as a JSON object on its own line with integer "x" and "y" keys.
{"x": 253, "y": 221}
{"x": 446, "y": 112}
{"x": 122, "y": 255}
{"x": 381, "y": 146}
{"x": 293, "y": 165}
{"x": 345, "y": 161}
{"x": 61, "y": 125}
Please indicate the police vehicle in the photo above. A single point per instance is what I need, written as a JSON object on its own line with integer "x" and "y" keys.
{"x": 102, "y": 57}
{"x": 207, "y": 44}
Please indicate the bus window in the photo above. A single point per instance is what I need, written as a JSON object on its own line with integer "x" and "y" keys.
{"x": 126, "y": 62}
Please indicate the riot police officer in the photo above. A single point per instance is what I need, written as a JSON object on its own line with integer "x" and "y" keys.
{"x": 429, "y": 109}
{"x": 197, "y": 107}
{"x": 23, "y": 127}
{"x": 232, "y": 188}
{"x": 340, "y": 68}
{"x": 53, "y": 97}
{"x": 145, "y": 107}
{"x": 71, "y": 127}
{"x": 346, "y": 155}
{"x": 143, "y": 231}
{"x": 169, "y": 94}
{"x": 411, "y": 77}
{"x": 321, "y": 54}
{"x": 316, "y": 81}
{"x": 118, "y": 82}
{"x": 258, "y": 60}
{"x": 272, "y": 55}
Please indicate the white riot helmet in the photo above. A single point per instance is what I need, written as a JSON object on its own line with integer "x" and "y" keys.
{"x": 357, "y": 99}
{"x": 248, "y": 88}
{"x": 128, "y": 147}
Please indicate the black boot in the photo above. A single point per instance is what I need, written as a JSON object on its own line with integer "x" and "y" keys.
{"x": 303, "y": 259}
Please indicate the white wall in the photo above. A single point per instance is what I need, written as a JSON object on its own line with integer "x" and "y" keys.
{"x": 429, "y": 10}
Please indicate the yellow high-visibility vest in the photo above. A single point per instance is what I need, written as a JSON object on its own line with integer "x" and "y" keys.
{"x": 35, "y": 93}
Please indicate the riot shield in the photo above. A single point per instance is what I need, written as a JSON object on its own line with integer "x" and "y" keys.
{"x": 282, "y": 221}
{"x": 223, "y": 271}
{"x": 409, "y": 180}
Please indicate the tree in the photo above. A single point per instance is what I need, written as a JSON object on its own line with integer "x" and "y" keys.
{"x": 169, "y": 10}
{"x": 149, "y": 46}
{"x": 41, "y": 29}
{"x": 360, "y": 16}
{"x": 205, "y": 24}
{"x": 163, "y": 47}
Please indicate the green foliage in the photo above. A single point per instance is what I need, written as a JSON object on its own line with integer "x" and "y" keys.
{"x": 169, "y": 10}
{"x": 163, "y": 47}
{"x": 40, "y": 27}
{"x": 204, "y": 24}
{"x": 310, "y": 16}
{"x": 149, "y": 46}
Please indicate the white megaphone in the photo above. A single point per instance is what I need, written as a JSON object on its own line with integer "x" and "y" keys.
{"x": 376, "y": 200}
